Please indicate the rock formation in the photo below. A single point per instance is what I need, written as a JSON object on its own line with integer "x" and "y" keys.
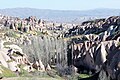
{"x": 97, "y": 47}
{"x": 92, "y": 47}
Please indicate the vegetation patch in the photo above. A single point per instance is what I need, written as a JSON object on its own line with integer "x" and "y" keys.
{"x": 84, "y": 76}
{"x": 8, "y": 43}
{"x": 7, "y": 73}
{"x": 11, "y": 33}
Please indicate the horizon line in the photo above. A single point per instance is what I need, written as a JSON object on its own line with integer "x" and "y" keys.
{"x": 56, "y": 9}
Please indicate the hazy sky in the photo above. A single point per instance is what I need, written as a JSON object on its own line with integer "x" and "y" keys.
{"x": 61, "y": 4}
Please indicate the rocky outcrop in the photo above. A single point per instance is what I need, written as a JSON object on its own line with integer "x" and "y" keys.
{"x": 91, "y": 47}
{"x": 110, "y": 25}
{"x": 12, "y": 56}
{"x": 96, "y": 47}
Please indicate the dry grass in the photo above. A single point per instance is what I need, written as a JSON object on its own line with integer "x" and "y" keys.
{"x": 30, "y": 78}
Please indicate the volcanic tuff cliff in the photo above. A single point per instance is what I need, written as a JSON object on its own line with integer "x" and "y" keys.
{"x": 97, "y": 49}
{"x": 92, "y": 47}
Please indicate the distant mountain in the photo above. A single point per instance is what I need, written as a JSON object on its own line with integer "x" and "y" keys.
{"x": 60, "y": 15}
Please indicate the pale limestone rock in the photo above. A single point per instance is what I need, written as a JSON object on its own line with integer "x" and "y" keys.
{"x": 75, "y": 47}
{"x": 100, "y": 55}
{"x": 28, "y": 68}
{"x": 15, "y": 48}
{"x": 1, "y": 44}
{"x": 75, "y": 69}
{"x": 12, "y": 66}
{"x": 118, "y": 39}
{"x": 103, "y": 53}
{"x": 79, "y": 46}
{"x": 4, "y": 57}
{"x": 2, "y": 60}
{"x": 105, "y": 35}
{"x": 48, "y": 67}
{"x": 42, "y": 66}
{"x": 4, "y": 53}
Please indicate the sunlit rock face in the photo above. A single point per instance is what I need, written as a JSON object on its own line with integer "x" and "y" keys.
{"x": 1, "y": 44}
{"x": 11, "y": 56}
